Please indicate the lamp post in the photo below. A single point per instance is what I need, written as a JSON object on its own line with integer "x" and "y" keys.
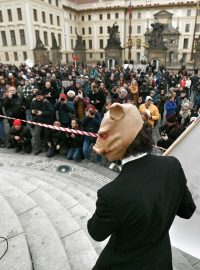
{"x": 194, "y": 33}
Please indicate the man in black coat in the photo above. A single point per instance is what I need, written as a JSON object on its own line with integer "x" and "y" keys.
{"x": 138, "y": 207}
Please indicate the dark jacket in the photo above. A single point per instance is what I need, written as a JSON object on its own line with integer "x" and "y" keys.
{"x": 56, "y": 137}
{"x": 65, "y": 112}
{"x": 24, "y": 133}
{"x": 15, "y": 106}
{"x": 76, "y": 142}
{"x": 137, "y": 210}
{"x": 47, "y": 111}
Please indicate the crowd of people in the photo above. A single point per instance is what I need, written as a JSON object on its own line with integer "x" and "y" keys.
{"x": 78, "y": 97}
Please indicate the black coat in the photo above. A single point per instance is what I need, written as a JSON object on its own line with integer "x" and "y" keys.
{"x": 47, "y": 111}
{"x": 137, "y": 210}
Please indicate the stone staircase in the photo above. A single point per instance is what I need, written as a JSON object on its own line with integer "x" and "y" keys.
{"x": 44, "y": 215}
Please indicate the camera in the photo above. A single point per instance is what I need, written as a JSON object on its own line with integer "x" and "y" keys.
{"x": 62, "y": 99}
{"x": 91, "y": 112}
{"x": 163, "y": 134}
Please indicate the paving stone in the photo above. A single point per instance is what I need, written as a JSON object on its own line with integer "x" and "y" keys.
{"x": 179, "y": 261}
{"x": 45, "y": 246}
{"x": 17, "y": 256}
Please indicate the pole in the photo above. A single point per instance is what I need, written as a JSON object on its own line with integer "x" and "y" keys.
{"x": 130, "y": 32}
{"x": 194, "y": 33}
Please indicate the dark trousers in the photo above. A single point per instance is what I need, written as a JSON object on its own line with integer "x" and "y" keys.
{"x": 39, "y": 134}
{"x": 25, "y": 146}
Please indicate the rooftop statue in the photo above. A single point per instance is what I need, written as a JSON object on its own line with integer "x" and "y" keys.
{"x": 114, "y": 37}
{"x": 156, "y": 37}
{"x": 79, "y": 43}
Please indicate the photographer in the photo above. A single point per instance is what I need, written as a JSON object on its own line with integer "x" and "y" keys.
{"x": 80, "y": 104}
{"x": 20, "y": 137}
{"x": 169, "y": 132}
{"x": 65, "y": 110}
{"x": 42, "y": 112}
{"x": 56, "y": 139}
{"x": 97, "y": 98}
{"x": 90, "y": 123}
{"x": 14, "y": 105}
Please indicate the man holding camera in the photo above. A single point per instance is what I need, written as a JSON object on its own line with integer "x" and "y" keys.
{"x": 90, "y": 123}
{"x": 42, "y": 112}
{"x": 65, "y": 110}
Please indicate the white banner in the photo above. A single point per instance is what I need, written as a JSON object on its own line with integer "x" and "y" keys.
{"x": 185, "y": 234}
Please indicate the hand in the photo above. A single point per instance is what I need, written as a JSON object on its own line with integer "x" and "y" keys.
{"x": 57, "y": 147}
{"x": 73, "y": 135}
{"x": 38, "y": 113}
{"x": 33, "y": 112}
{"x": 17, "y": 138}
{"x": 49, "y": 144}
{"x": 97, "y": 101}
{"x": 165, "y": 138}
{"x": 48, "y": 95}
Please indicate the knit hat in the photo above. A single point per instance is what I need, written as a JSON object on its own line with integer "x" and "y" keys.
{"x": 17, "y": 122}
{"x": 63, "y": 96}
{"x": 171, "y": 118}
{"x": 71, "y": 93}
{"x": 90, "y": 106}
{"x": 148, "y": 98}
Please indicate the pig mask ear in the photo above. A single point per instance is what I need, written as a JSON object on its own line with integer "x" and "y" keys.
{"x": 116, "y": 111}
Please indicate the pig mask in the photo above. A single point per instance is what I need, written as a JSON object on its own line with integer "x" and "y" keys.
{"x": 118, "y": 130}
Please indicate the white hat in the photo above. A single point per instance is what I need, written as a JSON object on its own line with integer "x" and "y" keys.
{"x": 148, "y": 98}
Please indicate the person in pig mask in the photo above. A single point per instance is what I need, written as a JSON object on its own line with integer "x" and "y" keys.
{"x": 138, "y": 207}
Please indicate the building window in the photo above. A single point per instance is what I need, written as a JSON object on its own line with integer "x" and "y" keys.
{"x": 101, "y": 55}
{"x": 184, "y": 58}
{"x": 70, "y": 16}
{"x": 22, "y": 37}
{"x": 1, "y": 16}
{"x": 75, "y": 30}
{"x": 101, "y": 43}
{"x": 90, "y": 55}
{"x": 90, "y": 31}
{"x": 46, "y": 43}
{"x": 50, "y": 2}
{"x": 15, "y": 56}
{"x": 83, "y": 31}
{"x": 139, "y": 15}
{"x": 72, "y": 44}
{"x": 43, "y": 17}
{"x": 25, "y": 55}
{"x": 108, "y": 16}
{"x": 59, "y": 40}
{"x": 198, "y": 27}
{"x": 4, "y": 39}
{"x": 75, "y": 17}
{"x": 187, "y": 28}
{"x": 138, "y": 29}
{"x": 57, "y": 3}
{"x": 108, "y": 29}
{"x": 19, "y": 14}
{"x": 35, "y": 17}
{"x": 138, "y": 57}
{"x": 7, "y": 56}
{"x": 171, "y": 57}
{"x": 71, "y": 30}
{"x": 51, "y": 18}
{"x": 58, "y": 21}
{"x": 84, "y": 43}
{"x": 13, "y": 38}
{"x": 52, "y": 38}
{"x": 185, "y": 43}
{"x": 188, "y": 12}
{"x": 9, "y": 15}
{"x": 89, "y": 17}
{"x": 101, "y": 30}
{"x": 37, "y": 34}
{"x": 90, "y": 44}
{"x": 100, "y": 16}
{"x": 82, "y": 18}
{"x": 116, "y": 15}
{"x": 138, "y": 43}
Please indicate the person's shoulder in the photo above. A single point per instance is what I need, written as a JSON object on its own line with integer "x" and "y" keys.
{"x": 167, "y": 161}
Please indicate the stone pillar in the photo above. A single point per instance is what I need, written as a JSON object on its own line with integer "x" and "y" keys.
{"x": 41, "y": 56}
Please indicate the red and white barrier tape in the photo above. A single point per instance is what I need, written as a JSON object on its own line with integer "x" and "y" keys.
{"x": 79, "y": 132}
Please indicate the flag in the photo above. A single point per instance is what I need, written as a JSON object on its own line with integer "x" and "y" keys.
{"x": 185, "y": 234}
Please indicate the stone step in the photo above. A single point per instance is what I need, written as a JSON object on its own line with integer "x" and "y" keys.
{"x": 17, "y": 257}
{"x": 11, "y": 229}
{"x": 180, "y": 262}
{"x": 78, "y": 211}
{"x": 46, "y": 248}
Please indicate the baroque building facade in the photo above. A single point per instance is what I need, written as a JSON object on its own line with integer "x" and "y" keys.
{"x": 23, "y": 22}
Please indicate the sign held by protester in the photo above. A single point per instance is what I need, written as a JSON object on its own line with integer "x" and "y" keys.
{"x": 185, "y": 234}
